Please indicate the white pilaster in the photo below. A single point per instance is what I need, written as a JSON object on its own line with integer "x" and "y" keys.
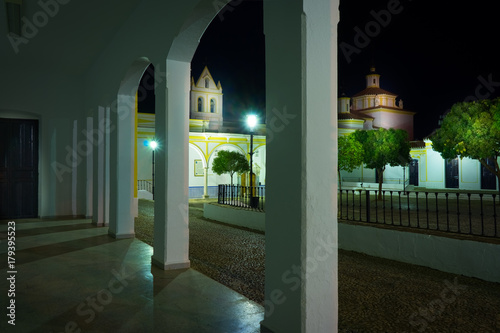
{"x": 90, "y": 173}
{"x": 107, "y": 156}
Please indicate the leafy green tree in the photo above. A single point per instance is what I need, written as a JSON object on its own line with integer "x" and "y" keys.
{"x": 230, "y": 162}
{"x": 471, "y": 129}
{"x": 350, "y": 154}
{"x": 384, "y": 147}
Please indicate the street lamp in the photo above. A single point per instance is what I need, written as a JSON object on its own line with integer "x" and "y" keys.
{"x": 153, "y": 145}
{"x": 251, "y": 123}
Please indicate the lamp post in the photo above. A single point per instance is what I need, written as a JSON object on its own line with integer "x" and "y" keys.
{"x": 251, "y": 123}
{"x": 153, "y": 145}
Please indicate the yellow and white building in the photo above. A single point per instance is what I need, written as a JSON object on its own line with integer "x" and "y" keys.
{"x": 208, "y": 134}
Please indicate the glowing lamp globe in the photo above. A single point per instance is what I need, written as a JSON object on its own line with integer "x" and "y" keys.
{"x": 252, "y": 121}
{"x": 153, "y": 144}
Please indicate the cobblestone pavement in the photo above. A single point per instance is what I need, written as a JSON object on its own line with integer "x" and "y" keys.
{"x": 375, "y": 295}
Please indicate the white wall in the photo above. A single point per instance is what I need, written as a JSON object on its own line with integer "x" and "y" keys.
{"x": 465, "y": 257}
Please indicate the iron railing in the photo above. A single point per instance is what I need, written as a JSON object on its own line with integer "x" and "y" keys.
{"x": 247, "y": 197}
{"x": 457, "y": 212}
{"x": 145, "y": 184}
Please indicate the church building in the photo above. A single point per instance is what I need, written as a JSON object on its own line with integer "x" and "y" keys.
{"x": 206, "y": 103}
{"x": 208, "y": 134}
{"x": 372, "y": 108}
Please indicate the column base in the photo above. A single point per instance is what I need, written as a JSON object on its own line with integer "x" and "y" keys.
{"x": 120, "y": 236}
{"x": 170, "y": 266}
{"x": 97, "y": 223}
{"x": 206, "y": 196}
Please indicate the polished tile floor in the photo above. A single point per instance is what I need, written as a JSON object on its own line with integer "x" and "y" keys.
{"x": 72, "y": 276}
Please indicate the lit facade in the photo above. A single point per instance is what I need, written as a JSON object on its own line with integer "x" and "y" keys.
{"x": 207, "y": 135}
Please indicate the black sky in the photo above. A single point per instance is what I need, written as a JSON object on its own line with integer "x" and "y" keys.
{"x": 432, "y": 54}
{"x": 233, "y": 49}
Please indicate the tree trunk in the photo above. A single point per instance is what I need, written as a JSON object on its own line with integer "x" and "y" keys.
{"x": 380, "y": 180}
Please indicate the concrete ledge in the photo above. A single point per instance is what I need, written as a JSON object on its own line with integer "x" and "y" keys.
{"x": 235, "y": 216}
{"x": 457, "y": 256}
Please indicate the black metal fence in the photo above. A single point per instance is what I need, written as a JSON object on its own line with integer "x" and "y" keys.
{"x": 463, "y": 213}
{"x": 145, "y": 184}
{"x": 248, "y": 197}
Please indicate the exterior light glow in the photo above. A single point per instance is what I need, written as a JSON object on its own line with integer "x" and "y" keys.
{"x": 252, "y": 121}
{"x": 153, "y": 144}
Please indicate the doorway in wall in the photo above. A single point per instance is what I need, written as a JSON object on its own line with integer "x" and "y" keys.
{"x": 451, "y": 173}
{"x": 18, "y": 168}
{"x": 414, "y": 172}
{"x": 488, "y": 179}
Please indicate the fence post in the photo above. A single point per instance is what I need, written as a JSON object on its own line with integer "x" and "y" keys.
{"x": 367, "y": 206}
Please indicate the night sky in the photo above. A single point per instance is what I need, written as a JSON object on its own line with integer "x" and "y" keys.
{"x": 429, "y": 53}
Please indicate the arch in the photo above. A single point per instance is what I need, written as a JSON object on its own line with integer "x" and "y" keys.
{"x": 217, "y": 148}
{"x": 286, "y": 243}
{"x": 200, "y": 152}
{"x": 172, "y": 104}
{"x": 207, "y": 82}
{"x": 130, "y": 83}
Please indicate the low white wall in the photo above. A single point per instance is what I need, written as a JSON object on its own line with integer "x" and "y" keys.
{"x": 235, "y": 216}
{"x": 469, "y": 258}
{"x": 143, "y": 194}
{"x": 464, "y": 257}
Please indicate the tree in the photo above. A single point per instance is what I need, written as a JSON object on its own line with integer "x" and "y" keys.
{"x": 384, "y": 147}
{"x": 230, "y": 162}
{"x": 350, "y": 154}
{"x": 471, "y": 129}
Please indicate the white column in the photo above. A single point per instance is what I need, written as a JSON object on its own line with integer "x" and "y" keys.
{"x": 171, "y": 231}
{"x": 98, "y": 154}
{"x": 205, "y": 184}
{"x": 121, "y": 214}
{"x": 301, "y": 184}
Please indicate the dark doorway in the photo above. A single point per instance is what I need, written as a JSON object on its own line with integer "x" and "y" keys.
{"x": 18, "y": 168}
{"x": 451, "y": 173}
{"x": 488, "y": 179}
{"x": 414, "y": 172}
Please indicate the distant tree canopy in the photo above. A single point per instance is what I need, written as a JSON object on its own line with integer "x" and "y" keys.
{"x": 384, "y": 147}
{"x": 471, "y": 129}
{"x": 230, "y": 162}
{"x": 350, "y": 154}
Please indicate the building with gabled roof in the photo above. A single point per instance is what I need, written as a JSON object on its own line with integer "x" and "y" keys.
{"x": 206, "y": 103}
